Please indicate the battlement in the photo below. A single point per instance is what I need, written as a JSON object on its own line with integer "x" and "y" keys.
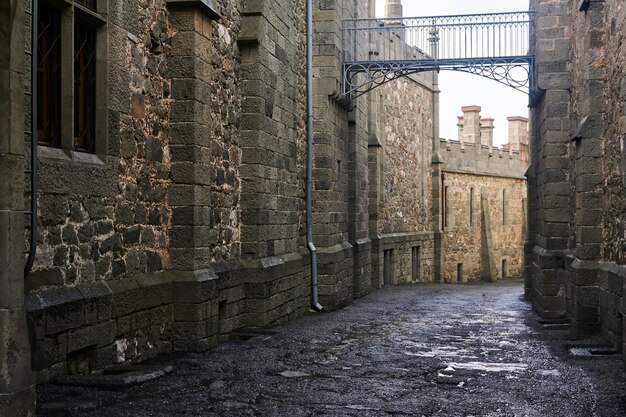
{"x": 474, "y": 153}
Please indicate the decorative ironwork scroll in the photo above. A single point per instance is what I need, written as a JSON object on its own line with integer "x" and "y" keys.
{"x": 493, "y": 45}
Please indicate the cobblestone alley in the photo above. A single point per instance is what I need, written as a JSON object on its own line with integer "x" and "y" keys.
{"x": 424, "y": 350}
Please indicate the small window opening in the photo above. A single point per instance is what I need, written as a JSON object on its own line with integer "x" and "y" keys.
{"x": 504, "y": 213}
{"x": 388, "y": 267}
{"x": 471, "y": 207}
{"x": 416, "y": 262}
{"x": 445, "y": 208}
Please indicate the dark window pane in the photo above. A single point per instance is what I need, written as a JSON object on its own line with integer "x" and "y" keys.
{"x": 88, "y": 3}
{"x": 84, "y": 86}
{"x": 49, "y": 76}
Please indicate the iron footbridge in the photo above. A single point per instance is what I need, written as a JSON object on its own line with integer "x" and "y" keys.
{"x": 494, "y": 45}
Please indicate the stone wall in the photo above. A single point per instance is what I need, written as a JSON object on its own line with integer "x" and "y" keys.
{"x": 188, "y": 222}
{"x": 576, "y": 269}
{"x": 476, "y": 234}
{"x": 401, "y": 216}
{"x": 17, "y": 391}
{"x": 340, "y": 173}
{"x": 484, "y": 204}
{"x": 406, "y": 202}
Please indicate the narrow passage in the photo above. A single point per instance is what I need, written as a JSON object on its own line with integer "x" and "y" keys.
{"x": 423, "y": 350}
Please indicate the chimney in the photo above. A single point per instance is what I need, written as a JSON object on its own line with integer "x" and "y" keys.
{"x": 486, "y": 132}
{"x": 371, "y": 9}
{"x": 393, "y": 8}
{"x": 518, "y": 132}
{"x": 459, "y": 124}
{"x": 471, "y": 124}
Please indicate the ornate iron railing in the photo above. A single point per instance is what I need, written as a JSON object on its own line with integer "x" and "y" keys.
{"x": 493, "y": 45}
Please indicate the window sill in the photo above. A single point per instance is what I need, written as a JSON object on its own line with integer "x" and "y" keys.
{"x": 68, "y": 156}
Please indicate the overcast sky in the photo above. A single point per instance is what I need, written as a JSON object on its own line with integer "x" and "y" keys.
{"x": 459, "y": 89}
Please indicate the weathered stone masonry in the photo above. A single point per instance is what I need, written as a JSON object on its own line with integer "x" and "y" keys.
{"x": 484, "y": 205}
{"x": 187, "y": 222}
{"x": 401, "y": 214}
{"x": 16, "y": 378}
{"x": 575, "y": 252}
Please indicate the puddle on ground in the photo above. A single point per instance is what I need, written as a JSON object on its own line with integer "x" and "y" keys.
{"x": 549, "y": 372}
{"x": 592, "y": 351}
{"x": 488, "y": 367}
{"x": 442, "y": 352}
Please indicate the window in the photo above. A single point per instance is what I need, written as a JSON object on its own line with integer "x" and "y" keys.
{"x": 84, "y": 85}
{"x": 504, "y": 208}
{"x": 67, "y": 63}
{"x": 388, "y": 267}
{"x": 49, "y": 78}
{"x": 446, "y": 213}
{"x": 416, "y": 262}
{"x": 471, "y": 207}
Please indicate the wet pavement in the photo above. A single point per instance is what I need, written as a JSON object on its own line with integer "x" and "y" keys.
{"x": 422, "y": 350}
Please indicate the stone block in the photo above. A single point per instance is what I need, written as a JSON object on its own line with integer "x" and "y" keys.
{"x": 588, "y": 251}
{"x": 582, "y": 276}
{"x": 591, "y": 234}
{"x": 156, "y": 290}
{"x": 558, "y": 81}
{"x": 588, "y": 217}
{"x": 193, "y": 312}
{"x": 11, "y": 247}
{"x": 193, "y": 331}
{"x": 104, "y": 357}
{"x": 583, "y": 329}
{"x": 46, "y": 352}
{"x": 590, "y": 146}
{"x": 550, "y": 306}
{"x": 15, "y": 373}
{"x": 98, "y": 335}
{"x": 12, "y": 187}
{"x": 20, "y": 403}
{"x": 97, "y": 300}
{"x": 64, "y": 311}
{"x": 586, "y": 296}
{"x": 195, "y": 287}
{"x": 126, "y": 297}
{"x": 253, "y": 29}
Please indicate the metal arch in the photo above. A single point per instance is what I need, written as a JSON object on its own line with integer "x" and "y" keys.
{"x": 495, "y": 46}
{"x": 361, "y": 78}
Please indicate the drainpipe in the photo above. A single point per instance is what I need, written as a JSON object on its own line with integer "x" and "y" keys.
{"x": 32, "y": 252}
{"x": 315, "y": 304}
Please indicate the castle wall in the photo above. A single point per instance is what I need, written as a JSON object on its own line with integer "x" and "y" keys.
{"x": 188, "y": 221}
{"x": 400, "y": 163}
{"x": 17, "y": 391}
{"x": 484, "y": 212}
{"x": 576, "y": 267}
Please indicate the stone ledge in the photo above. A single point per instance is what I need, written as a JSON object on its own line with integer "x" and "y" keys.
{"x": 207, "y": 6}
{"x": 392, "y": 238}
{"x": 174, "y": 310}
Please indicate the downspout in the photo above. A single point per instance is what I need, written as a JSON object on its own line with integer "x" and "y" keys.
{"x": 309, "y": 156}
{"x": 34, "y": 80}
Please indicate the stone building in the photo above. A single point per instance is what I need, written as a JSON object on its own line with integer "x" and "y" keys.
{"x": 484, "y": 204}
{"x": 171, "y": 156}
{"x": 575, "y": 249}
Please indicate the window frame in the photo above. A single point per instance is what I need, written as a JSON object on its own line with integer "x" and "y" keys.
{"x": 71, "y": 11}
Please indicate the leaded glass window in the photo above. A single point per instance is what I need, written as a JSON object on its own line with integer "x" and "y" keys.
{"x": 49, "y": 76}
{"x": 84, "y": 85}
